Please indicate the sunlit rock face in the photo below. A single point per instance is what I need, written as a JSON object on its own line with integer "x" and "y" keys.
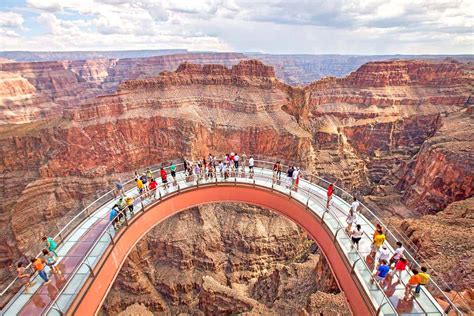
{"x": 69, "y": 128}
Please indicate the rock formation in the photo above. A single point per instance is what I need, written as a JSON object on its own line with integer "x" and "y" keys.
{"x": 222, "y": 259}
{"x": 69, "y": 128}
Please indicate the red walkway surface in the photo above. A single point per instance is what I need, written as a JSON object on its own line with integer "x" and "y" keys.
{"x": 92, "y": 295}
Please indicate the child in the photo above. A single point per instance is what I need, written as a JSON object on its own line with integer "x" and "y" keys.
{"x": 382, "y": 271}
{"x": 51, "y": 261}
{"x": 23, "y": 276}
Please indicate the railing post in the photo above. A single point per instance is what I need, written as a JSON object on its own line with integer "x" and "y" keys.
{"x": 354, "y": 265}
{"x": 335, "y": 235}
{"x": 322, "y": 217}
{"x": 111, "y": 238}
{"x": 307, "y": 203}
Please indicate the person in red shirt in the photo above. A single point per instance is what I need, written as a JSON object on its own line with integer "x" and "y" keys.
{"x": 152, "y": 187}
{"x": 330, "y": 192}
{"x": 400, "y": 266}
{"x": 164, "y": 177}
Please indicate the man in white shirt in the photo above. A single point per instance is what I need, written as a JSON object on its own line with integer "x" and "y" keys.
{"x": 384, "y": 254}
{"x": 236, "y": 162}
{"x": 398, "y": 253}
{"x": 251, "y": 162}
{"x": 355, "y": 205}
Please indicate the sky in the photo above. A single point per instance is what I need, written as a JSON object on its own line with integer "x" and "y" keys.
{"x": 279, "y": 27}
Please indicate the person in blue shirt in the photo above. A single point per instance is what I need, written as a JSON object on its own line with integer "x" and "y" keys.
{"x": 114, "y": 217}
{"x": 382, "y": 271}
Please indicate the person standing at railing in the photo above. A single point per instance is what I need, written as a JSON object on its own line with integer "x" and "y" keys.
{"x": 297, "y": 180}
{"x": 38, "y": 265}
{"x": 329, "y": 193}
{"x": 22, "y": 275}
{"x": 185, "y": 166}
{"x": 236, "y": 162}
{"x": 152, "y": 186}
{"x": 173, "y": 171}
{"x": 251, "y": 165}
{"x": 164, "y": 177}
{"x": 296, "y": 174}
{"x": 113, "y": 217}
{"x": 289, "y": 173}
{"x": 50, "y": 244}
{"x": 140, "y": 186}
{"x": 129, "y": 202}
{"x": 144, "y": 179}
{"x": 197, "y": 171}
{"x": 149, "y": 173}
{"x": 244, "y": 161}
{"x": 119, "y": 187}
{"x": 424, "y": 279}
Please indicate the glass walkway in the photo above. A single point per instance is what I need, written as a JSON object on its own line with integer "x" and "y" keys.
{"x": 88, "y": 236}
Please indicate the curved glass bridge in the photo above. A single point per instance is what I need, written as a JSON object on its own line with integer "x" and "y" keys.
{"x": 92, "y": 252}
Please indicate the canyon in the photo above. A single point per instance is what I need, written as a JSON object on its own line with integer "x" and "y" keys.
{"x": 396, "y": 133}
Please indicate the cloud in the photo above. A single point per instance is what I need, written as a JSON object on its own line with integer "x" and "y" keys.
{"x": 11, "y": 19}
{"x": 274, "y": 26}
{"x": 51, "y": 23}
{"x": 45, "y": 5}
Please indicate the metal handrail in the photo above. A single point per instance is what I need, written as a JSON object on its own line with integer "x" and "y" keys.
{"x": 386, "y": 229}
{"x": 257, "y": 162}
{"x": 387, "y": 300}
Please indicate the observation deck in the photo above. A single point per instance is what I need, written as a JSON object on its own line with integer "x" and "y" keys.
{"x": 91, "y": 252}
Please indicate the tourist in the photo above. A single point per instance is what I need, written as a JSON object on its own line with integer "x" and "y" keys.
{"x": 129, "y": 201}
{"x": 424, "y": 279}
{"x": 350, "y": 219}
{"x": 119, "y": 187}
{"x": 185, "y": 165}
{"x": 140, "y": 186}
{"x": 22, "y": 275}
{"x": 251, "y": 165}
{"x": 356, "y": 235}
{"x": 384, "y": 254}
{"x": 236, "y": 162}
{"x": 279, "y": 169}
{"x": 197, "y": 171}
{"x": 400, "y": 266}
{"x": 113, "y": 217}
{"x": 378, "y": 240}
{"x": 38, "y": 265}
{"x": 413, "y": 283}
{"x": 225, "y": 171}
{"x": 173, "y": 171}
{"x": 382, "y": 272}
{"x": 329, "y": 193}
{"x": 144, "y": 180}
{"x": 51, "y": 244}
{"x": 355, "y": 205}
{"x": 51, "y": 261}
{"x": 137, "y": 176}
{"x": 227, "y": 160}
{"x": 164, "y": 177}
{"x": 244, "y": 161}
{"x": 275, "y": 169}
{"x": 295, "y": 175}
{"x": 152, "y": 186}
{"x": 397, "y": 254}
{"x": 149, "y": 174}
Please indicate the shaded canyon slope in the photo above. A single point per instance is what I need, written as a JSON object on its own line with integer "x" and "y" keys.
{"x": 224, "y": 259}
{"x": 398, "y": 133}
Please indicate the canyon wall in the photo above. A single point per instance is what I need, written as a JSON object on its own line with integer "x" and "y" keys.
{"x": 68, "y": 129}
{"x": 223, "y": 259}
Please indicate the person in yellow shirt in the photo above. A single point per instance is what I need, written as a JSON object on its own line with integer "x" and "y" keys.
{"x": 140, "y": 185}
{"x": 379, "y": 239}
{"x": 129, "y": 201}
{"x": 424, "y": 279}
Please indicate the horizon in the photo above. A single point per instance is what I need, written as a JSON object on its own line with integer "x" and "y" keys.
{"x": 272, "y": 27}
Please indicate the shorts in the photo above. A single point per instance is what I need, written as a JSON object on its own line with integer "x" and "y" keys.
{"x": 379, "y": 278}
{"x": 356, "y": 240}
{"x": 173, "y": 174}
{"x": 164, "y": 180}
{"x": 375, "y": 248}
{"x": 251, "y": 167}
